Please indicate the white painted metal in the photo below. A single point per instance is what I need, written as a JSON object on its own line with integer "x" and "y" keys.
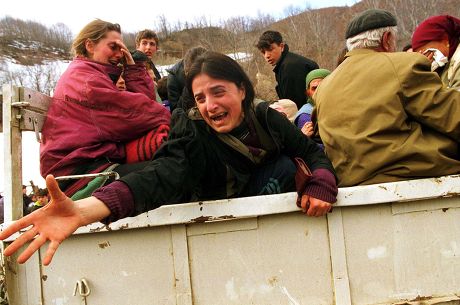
{"x": 268, "y": 252}
{"x": 338, "y": 258}
{"x": 181, "y": 265}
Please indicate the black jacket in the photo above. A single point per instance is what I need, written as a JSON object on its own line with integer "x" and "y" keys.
{"x": 290, "y": 73}
{"x": 155, "y": 71}
{"x": 193, "y": 164}
{"x": 178, "y": 94}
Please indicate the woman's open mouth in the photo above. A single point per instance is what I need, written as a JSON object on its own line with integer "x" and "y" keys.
{"x": 219, "y": 117}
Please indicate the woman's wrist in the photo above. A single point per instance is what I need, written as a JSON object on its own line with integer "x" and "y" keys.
{"x": 91, "y": 210}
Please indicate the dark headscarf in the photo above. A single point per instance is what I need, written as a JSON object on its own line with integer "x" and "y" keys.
{"x": 434, "y": 28}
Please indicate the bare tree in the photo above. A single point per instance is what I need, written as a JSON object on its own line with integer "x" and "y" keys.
{"x": 261, "y": 21}
{"x": 61, "y": 36}
{"x": 163, "y": 26}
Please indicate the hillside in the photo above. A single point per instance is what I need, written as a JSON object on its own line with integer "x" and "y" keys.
{"x": 29, "y": 43}
{"x": 29, "y": 52}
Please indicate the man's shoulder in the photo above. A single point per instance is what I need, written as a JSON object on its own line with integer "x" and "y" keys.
{"x": 406, "y": 57}
{"x": 294, "y": 59}
{"x": 405, "y": 63}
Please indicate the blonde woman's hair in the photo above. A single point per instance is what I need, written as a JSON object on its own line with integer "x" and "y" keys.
{"x": 94, "y": 31}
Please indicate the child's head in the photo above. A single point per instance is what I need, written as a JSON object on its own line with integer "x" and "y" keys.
{"x": 42, "y": 196}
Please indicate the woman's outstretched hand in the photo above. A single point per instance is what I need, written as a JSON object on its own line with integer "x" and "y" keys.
{"x": 54, "y": 222}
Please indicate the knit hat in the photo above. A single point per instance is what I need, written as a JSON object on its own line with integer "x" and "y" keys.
{"x": 434, "y": 28}
{"x": 139, "y": 56}
{"x": 314, "y": 74}
{"x": 369, "y": 20}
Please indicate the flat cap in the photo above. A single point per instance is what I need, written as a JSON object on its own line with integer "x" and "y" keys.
{"x": 369, "y": 20}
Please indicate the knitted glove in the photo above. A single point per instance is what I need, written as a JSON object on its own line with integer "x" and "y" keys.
{"x": 139, "y": 56}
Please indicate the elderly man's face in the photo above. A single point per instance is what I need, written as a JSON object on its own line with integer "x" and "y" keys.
{"x": 312, "y": 87}
{"x": 273, "y": 54}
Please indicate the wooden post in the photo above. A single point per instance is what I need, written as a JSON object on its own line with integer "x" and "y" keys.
{"x": 12, "y": 154}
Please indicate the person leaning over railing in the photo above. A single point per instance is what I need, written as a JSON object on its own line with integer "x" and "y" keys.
{"x": 229, "y": 145}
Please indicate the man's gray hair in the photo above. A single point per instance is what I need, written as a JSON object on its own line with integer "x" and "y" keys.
{"x": 369, "y": 39}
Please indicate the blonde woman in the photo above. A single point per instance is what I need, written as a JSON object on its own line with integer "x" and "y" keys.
{"x": 91, "y": 125}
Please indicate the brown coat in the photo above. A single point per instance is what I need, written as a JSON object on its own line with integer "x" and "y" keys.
{"x": 386, "y": 117}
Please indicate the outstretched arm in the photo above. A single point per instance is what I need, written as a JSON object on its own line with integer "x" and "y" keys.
{"x": 54, "y": 222}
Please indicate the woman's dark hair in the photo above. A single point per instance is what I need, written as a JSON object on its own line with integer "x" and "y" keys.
{"x": 267, "y": 38}
{"x": 220, "y": 66}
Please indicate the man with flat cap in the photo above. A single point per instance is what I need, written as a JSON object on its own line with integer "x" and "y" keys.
{"x": 384, "y": 116}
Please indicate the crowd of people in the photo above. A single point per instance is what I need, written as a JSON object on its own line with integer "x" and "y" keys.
{"x": 32, "y": 201}
{"x": 380, "y": 116}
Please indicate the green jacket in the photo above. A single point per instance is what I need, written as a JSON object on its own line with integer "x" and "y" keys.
{"x": 386, "y": 117}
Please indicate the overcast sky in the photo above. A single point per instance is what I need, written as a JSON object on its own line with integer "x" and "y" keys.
{"x": 140, "y": 14}
{"x": 133, "y": 16}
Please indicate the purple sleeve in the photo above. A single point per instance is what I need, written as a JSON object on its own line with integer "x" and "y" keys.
{"x": 118, "y": 198}
{"x": 322, "y": 186}
{"x": 302, "y": 119}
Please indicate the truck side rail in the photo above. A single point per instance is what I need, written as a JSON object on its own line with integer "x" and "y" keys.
{"x": 227, "y": 209}
{"x": 23, "y": 109}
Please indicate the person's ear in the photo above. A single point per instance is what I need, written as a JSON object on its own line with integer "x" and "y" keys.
{"x": 386, "y": 41}
{"x": 243, "y": 92}
{"x": 89, "y": 46}
{"x": 282, "y": 46}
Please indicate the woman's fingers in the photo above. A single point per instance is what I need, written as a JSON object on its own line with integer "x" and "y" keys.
{"x": 53, "y": 189}
{"x": 314, "y": 207}
{"x": 307, "y": 129}
{"x": 304, "y": 203}
{"x": 312, "y": 211}
{"x": 30, "y": 250}
{"x": 20, "y": 241}
{"x": 52, "y": 247}
{"x": 13, "y": 228}
{"x": 321, "y": 208}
